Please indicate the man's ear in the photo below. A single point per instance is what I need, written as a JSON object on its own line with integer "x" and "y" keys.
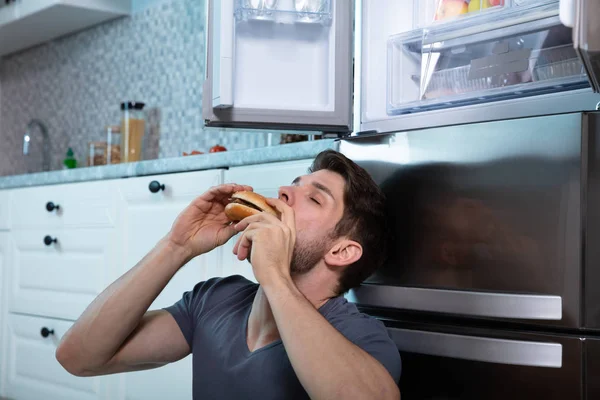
{"x": 344, "y": 252}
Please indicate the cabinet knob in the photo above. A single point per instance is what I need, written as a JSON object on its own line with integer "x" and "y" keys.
{"x": 45, "y": 332}
{"x": 50, "y": 206}
{"x": 156, "y": 187}
{"x": 48, "y": 240}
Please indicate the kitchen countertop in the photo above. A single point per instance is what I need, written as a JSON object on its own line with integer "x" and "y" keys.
{"x": 286, "y": 152}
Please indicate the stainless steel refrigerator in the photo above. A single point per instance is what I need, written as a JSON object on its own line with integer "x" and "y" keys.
{"x": 492, "y": 286}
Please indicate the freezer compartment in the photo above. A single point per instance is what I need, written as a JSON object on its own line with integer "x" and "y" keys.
{"x": 284, "y": 11}
{"x": 465, "y": 363}
{"x": 524, "y": 53}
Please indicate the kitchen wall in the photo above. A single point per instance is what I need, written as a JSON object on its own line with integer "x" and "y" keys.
{"x": 75, "y": 84}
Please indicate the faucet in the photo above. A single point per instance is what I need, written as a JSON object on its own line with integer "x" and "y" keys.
{"x": 27, "y": 138}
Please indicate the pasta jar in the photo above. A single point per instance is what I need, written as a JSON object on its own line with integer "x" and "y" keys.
{"x": 132, "y": 131}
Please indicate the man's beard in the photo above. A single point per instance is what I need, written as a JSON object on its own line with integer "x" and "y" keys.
{"x": 307, "y": 254}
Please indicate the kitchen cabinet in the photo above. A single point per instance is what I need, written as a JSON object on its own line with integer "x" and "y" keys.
{"x": 146, "y": 217}
{"x": 80, "y": 205}
{"x": 32, "y": 371}
{"x": 4, "y": 213}
{"x": 59, "y": 279}
{"x": 26, "y": 23}
{"x": 266, "y": 180}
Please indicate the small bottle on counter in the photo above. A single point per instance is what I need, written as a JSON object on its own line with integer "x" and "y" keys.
{"x": 70, "y": 162}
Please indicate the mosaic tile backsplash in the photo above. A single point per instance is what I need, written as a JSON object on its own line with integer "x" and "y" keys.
{"x": 75, "y": 85}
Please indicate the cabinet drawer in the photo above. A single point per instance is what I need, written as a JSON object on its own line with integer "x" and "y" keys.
{"x": 61, "y": 279}
{"x": 90, "y": 204}
{"x": 32, "y": 370}
{"x": 169, "y": 187}
{"x": 4, "y": 213}
{"x": 266, "y": 180}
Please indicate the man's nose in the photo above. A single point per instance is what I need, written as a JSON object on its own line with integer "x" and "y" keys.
{"x": 286, "y": 195}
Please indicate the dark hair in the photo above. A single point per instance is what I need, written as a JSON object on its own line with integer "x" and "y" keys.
{"x": 363, "y": 219}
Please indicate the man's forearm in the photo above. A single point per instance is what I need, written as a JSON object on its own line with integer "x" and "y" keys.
{"x": 327, "y": 364}
{"x": 107, "y": 322}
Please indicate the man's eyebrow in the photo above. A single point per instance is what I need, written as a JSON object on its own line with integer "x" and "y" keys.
{"x": 318, "y": 185}
{"x": 324, "y": 189}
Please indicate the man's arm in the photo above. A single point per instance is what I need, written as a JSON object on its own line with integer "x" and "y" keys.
{"x": 116, "y": 333}
{"x": 327, "y": 364}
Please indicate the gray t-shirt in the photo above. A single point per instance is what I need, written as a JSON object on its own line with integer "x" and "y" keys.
{"x": 213, "y": 318}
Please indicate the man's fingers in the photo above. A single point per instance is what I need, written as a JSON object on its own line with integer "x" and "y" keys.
{"x": 287, "y": 213}
{"x": 260, "y": 217}
{"x": 224, "y": 191}
{"x": 244, "y": 243}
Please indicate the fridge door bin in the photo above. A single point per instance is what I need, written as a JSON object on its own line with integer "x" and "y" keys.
{"x": 284, "y": 11}
{"x": 443, "y": 362}
{"x": 522, "y": 54}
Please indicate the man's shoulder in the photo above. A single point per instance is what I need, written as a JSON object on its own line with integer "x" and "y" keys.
{"x": 219, "y": 290}
{"x": 346, "y": 318}
{"x": 226, "y": 286}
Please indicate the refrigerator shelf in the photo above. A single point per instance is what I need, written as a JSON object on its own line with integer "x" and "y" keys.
{"x": 284, "y": 11}
{"x": 443, "y": 68}
{"x": 430, "y": 13}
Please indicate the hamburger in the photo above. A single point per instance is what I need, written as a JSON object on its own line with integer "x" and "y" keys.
{"x": 244, "y": 204}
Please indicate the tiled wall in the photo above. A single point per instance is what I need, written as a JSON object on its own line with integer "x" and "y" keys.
{"x": 75, "y": 84}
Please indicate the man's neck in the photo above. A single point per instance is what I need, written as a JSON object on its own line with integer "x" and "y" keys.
{"x": 262, "y": 329}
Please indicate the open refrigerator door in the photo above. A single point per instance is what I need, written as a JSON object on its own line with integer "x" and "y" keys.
{"x": 279, "y": 64}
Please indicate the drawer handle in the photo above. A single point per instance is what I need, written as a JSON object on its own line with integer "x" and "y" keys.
{"x": 45, "y": 332}
{"x": 48, "y": 240}
{"x": 50, "y": 206}
{"x": 156, "y": 187}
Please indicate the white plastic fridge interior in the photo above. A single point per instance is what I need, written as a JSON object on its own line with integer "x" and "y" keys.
{"x": 279, "y": 64}
{"x": 471, "y": 60}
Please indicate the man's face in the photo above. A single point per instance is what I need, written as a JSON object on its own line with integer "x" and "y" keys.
{"x": 318, "y": 203}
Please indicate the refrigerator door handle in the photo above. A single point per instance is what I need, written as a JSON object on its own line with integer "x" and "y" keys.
{"x": 474, "y": 348}
{"x": 484, "y": 304}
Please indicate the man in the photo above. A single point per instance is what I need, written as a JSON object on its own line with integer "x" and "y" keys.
{"x": 292, "y": 336}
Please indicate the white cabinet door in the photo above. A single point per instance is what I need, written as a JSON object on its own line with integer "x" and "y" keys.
{"x": 266, "y": 180}
{"x": 147, "y": 217}
{"x": 62, "y": 278}
{"x": 32, "y": 22}
{"x": 75, "y": 205}
{"x": 32, "y": 370}
{"x": 4, "y": 204}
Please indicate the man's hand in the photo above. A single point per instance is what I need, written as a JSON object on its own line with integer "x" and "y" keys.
{"x": 269, "y": 242}
{"x": 203, "y": 226}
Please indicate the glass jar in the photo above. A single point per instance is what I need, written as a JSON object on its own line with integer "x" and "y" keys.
{"x": 113, "y": 144}
{"x": 96, "y": 154}
{"x": 132, "y": 131}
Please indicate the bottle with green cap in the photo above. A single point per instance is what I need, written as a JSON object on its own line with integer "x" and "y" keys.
{"x": 70, "y": 161}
